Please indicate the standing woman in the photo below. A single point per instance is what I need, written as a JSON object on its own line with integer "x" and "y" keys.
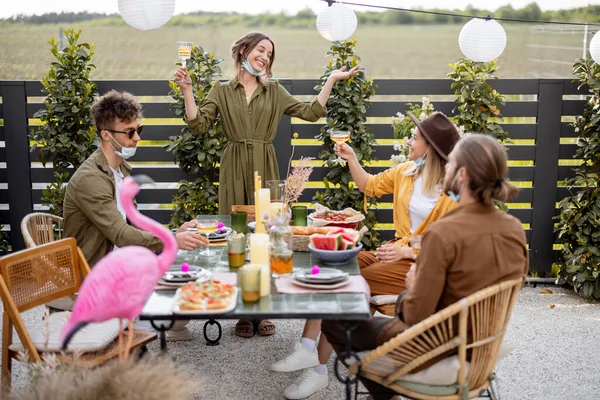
{"x": 250, "y": 106}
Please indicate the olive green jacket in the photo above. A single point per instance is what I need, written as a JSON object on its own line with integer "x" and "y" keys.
{"x": 250, "y": 130}
{"x": 91, "y": 215}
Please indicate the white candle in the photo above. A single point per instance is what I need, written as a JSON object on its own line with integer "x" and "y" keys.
{"x": 265, "y": 280}
{"x": 263, "y": 201}
{"x": 259, "y": 249}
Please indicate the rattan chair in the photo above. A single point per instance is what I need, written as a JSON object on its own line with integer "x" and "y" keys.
{"x": 41, "y": 228}
{"x": 474, "y": 327}
{"x": 32, "y": 277}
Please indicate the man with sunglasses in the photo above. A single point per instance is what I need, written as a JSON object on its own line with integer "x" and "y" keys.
{"x": 92, "y": 211}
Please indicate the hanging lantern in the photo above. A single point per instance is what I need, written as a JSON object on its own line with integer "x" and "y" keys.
{"x": 595, "y": 47}
{"x": 482, "y": 40}
{"x": 146, "y": 14}
{"x": 336, "y": 22}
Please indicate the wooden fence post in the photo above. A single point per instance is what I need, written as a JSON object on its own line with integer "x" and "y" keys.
{"x": 546, "y": 174}
{"x": 14, "y": 101}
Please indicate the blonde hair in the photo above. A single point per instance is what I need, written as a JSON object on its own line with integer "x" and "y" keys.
{"x": 486, "y": 164}
{"x": 433, "y": 171}
{"x": 244, "y": 45}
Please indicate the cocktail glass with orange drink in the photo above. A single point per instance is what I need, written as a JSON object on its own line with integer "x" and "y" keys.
{"x": 339, "y": 137}
{"x": 184, "y": 52}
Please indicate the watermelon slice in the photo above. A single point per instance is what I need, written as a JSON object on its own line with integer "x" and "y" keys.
{"x": 351, "y": 235}
{"x": 325, "y": 242}
{"x": 335, "y": 231}
{"x": 347, "y": 244}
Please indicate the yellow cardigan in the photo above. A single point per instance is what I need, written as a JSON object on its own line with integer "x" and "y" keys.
{"x": 401, "y": 186}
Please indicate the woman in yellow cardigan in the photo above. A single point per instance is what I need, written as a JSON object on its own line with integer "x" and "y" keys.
{"x": 418, "y": 201}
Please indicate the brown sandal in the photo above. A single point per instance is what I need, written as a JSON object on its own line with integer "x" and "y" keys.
{"x": 244, "y": 328}
{"x": 265, "y": 327}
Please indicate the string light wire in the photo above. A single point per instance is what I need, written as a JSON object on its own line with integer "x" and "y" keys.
{"x": 449, "y": 14}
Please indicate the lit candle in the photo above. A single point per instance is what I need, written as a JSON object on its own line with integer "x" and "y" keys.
{"x": 259, "y": 249}
{"x": 263, "y": 201}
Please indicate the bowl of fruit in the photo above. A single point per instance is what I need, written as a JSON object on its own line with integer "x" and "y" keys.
{"x": 337, "y": 247}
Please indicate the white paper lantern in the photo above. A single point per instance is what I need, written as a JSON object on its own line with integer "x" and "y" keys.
{"x": 146, "y": 14}
{"x": 482, "y": 40}
{"x": 337, "y": 22}
{"x": 595, "y": 47}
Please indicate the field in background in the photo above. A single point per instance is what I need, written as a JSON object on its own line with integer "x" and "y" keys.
{"x": 404, "y": 51}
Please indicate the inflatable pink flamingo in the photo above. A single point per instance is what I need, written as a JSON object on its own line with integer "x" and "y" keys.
{"x": 120, "y": 283}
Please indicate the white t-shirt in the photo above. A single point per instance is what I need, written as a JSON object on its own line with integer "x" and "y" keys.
{"x": 118, "y": 182}
{"x": 420, "y": 205}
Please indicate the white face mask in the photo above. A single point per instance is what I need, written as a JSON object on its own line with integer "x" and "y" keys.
{"x": 126, "y": 152}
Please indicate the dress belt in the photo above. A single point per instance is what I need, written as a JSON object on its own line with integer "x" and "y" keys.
{"x": 249, "y": 184}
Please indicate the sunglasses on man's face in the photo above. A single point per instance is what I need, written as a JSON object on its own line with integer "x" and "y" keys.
{"x": 130, "y": 132}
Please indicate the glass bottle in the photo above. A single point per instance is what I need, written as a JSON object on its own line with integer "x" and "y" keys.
{"x": 281, "y": 238}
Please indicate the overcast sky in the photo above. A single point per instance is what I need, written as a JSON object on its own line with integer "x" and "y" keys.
{"x": 28, "y": 7}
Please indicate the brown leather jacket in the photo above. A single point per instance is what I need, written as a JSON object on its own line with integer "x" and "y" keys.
{"x": 91, "y": 215}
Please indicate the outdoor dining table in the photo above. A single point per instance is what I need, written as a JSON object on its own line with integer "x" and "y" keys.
{"x": 347, "y": 308}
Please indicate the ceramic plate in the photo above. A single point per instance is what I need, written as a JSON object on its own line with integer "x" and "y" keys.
{"x": 252, "y": 225}
{"x": 194, "y": 274}
{"x": 325, "y": 275}
{"x": 321, "y": 286}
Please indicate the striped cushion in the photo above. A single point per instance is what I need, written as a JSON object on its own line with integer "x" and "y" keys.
{"x": 93, "y": 337}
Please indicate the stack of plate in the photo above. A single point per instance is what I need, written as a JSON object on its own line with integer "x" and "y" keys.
{"x": 179, "y": 278}
{"x": 327, "y": 278}
{"x": 221, "y": 234}
{"x": 217, "y": 236}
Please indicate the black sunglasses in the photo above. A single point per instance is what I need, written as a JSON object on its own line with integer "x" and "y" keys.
{"x": 131, "y": 132}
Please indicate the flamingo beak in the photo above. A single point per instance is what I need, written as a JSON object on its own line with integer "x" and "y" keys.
{"x": 141, "y": 179}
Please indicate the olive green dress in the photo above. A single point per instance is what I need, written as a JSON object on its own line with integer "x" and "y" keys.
{"x": 250, "y": 130}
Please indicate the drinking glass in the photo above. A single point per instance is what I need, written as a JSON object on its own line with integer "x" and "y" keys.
{"x": 339, "y": 137}
{"x": 277, "y": 188}
{"x": 206, "y": 227}
{"x": 236, "y": 251}
{"x": 239, "y": 221}
{"x": 184, "y": 52}
{"x": 299, "y": 216}
{"x": 415, "y": 244}
{"x": 249, "y": 282}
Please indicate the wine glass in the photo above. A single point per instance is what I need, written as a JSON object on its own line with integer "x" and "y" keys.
{"x": 206, "y": 227}
{"x": 184, "y": 52}
{"x": 339, "y": 137}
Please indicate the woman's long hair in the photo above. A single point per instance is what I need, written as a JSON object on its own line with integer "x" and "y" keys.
{"x": 432, "y": 172}
{"x": 244, "y": 45}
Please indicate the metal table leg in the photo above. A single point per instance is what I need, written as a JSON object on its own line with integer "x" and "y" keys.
{"x": 345, "y": 355}
{"x": 209, "y": 341}
{"x": 162, "y": 330}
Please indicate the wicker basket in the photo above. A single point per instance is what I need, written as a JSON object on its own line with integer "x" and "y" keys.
{"x": 300, "y": 243}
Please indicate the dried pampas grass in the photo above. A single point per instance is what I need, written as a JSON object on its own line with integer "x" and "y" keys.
{"x": 151, "y": 378}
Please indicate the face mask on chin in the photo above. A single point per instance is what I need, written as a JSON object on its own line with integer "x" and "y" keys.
{"x": 450, "y": 190}
{"x": 246, "y": 65}
{"x": 126, "y": 152}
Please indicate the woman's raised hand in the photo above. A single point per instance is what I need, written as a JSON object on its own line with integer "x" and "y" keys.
{"x": 341, "y": 73}
{"x": 343, "y": 150}
{"x": 182, "y": 78}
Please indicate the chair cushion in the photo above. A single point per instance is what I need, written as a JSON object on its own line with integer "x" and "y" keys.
{"x": 93, "y": 337}
{"x": 442, "y": 373}
{"x": 383, "y": 299}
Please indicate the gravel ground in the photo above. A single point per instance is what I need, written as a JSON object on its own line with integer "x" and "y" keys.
{"x": 556, "y": 355}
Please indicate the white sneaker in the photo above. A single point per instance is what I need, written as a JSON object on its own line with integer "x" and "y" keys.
{"x": 299, "y": 359}
{"x": 306, "y": 384}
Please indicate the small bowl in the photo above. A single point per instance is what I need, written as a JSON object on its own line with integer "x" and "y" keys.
{"x": 335, "y": 257}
